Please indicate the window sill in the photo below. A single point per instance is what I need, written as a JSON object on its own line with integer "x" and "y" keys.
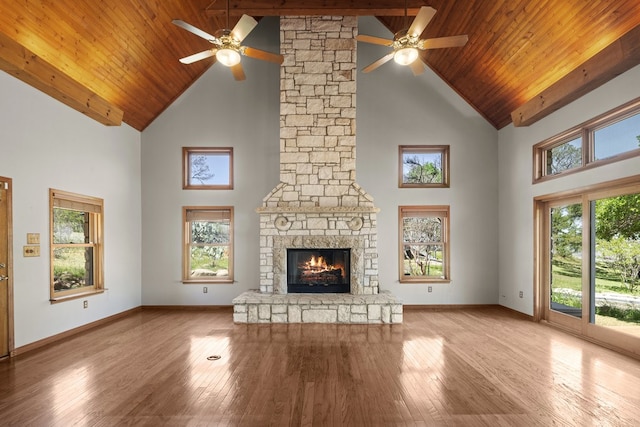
{"x": 209, "y": 282}
{"x": 74, "y": 296}
{"x": 421, "y": 280}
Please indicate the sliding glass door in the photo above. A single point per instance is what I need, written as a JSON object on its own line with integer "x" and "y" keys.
{"x": 615, "y": 261}
{"x": 588, "y": 245}
{"x": 565, "y": 258}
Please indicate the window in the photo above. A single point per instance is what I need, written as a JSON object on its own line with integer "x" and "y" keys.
{"x": 608, "y": 138}
{"x": 423, "y": 166}
{"x": 76, "y": 230}
{"x": 208, "y": 245}
{"x": 616, "y": 138}
{"x": 207, "y": 168}
{"x": 424, "y": 243}
{"x": 564, "y": 156}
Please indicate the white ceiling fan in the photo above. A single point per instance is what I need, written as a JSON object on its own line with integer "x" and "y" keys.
{"x": 227, "y": 45}
{"x": 407, "y": 42}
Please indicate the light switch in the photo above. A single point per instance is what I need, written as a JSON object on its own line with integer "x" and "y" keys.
{"x": 33, "y": 238}
{"x": 31, "y": 251}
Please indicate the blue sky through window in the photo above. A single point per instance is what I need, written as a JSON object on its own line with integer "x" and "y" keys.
{"x": 617, "y": 138}
{"x": 209, "y": 169}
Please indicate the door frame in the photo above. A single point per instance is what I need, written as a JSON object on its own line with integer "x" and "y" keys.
{"x": 10, "y": 312}
{"x": 564, "y": 320}
{"x": 582, "y": 327}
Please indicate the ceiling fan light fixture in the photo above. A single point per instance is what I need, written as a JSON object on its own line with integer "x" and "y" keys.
{"x": 405, "y": 55}
{"x": 228, "y": 57}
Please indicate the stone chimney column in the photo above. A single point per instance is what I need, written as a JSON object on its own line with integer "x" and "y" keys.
{"x": 318, "y": 108}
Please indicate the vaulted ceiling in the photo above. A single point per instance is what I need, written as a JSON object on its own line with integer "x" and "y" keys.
{"x": 118, "y": 59}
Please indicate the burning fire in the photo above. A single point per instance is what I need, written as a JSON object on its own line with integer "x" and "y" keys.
{"x": 316, "y": 265}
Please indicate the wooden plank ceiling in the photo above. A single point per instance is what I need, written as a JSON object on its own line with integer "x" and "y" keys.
{"x": 125, "y": 53}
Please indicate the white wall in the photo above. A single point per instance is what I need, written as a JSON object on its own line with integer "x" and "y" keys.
{"x": 216, "y": 111}
{"x": 517, "y": 191}
{"x": 396, "y": 108}
{"x": 45, "y": 144}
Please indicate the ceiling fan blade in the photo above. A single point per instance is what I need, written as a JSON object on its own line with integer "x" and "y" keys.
{"x": 238, "y": 72}
{"x": 197, "y": 31}
{"x": 378, "y": 63}
{"x": 417, "y": 67}
{"x": 261, "y": 54}
{"x": 198, "y": 56}
{"x": 421, "y": 21}
{"x": 374, "y": 40}
{"x": 442, "y": 42}
{"x": 243, "y": 27}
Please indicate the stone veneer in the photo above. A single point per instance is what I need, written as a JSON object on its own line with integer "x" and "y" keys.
{"x": 318, "y": 204}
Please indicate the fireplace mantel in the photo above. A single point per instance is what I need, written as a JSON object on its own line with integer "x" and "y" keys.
{"x": 318, "y": 209}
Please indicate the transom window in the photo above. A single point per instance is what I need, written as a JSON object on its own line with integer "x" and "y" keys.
{"x": 208, "y": 244}
{"x": 76, "y": 228}
{"x": 608, "y": 138}
{"x": 207, "y": 168}
{"x": 565, "y": 156}
{"x": 424, "y": 243}
{"x": 423, "y": 166}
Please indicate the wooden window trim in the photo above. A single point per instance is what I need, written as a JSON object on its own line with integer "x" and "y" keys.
{"x": 446, "y": 250}
{"x": 95, "y": 207}
{"x": 187, "y": 212}
{"x": 586, "y": 131}
{"x": 444, "y": 150}
{"x": 188, "y": 151}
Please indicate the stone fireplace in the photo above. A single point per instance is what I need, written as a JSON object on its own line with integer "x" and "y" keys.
{"x": 318, "y": 205}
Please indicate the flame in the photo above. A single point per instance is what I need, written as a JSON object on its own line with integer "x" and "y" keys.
{"x": 316, "y": 265}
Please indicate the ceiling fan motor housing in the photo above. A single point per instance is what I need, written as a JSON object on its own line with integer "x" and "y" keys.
{"x": 402, "y": 40}
{"x": 225, "y": 40}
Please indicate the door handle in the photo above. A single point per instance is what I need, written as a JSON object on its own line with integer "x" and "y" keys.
{"x": 4, "y": 278}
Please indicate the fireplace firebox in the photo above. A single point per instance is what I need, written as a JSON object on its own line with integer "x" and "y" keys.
{"x": 318, "y": 270}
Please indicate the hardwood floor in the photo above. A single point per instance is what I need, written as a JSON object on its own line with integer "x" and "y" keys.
{"x": 468, "y": 367}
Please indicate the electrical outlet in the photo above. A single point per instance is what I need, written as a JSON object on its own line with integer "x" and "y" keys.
{"x": 429, "y": 289}
{"x": 521, "y": 294}
{"x": 85, "y": 304}
{"x": 29, "y": 251}
{"x": 204, "y": 290}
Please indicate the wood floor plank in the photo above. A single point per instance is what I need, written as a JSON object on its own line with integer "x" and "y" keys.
{"x": 480, "y": 366}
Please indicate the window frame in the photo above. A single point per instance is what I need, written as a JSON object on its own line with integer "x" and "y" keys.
{"x": 186, "y": 247}
{"x": 586, "y": 132}
{"x": 430, "y": 210}
{"x": 444, "y": 151}
{"x": 94, "y": 206}
{"x": 188, "y": 152}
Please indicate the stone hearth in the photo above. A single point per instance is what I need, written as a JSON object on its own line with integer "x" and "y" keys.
{"x": 257, "y": 307}
{"x": 318, "y": 203}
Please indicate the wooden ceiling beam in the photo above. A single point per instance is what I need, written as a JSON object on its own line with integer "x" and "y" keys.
{"x": 20, "y": 62}
{"x": 613, "y": 60}
{"x": 315, "y": 8}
